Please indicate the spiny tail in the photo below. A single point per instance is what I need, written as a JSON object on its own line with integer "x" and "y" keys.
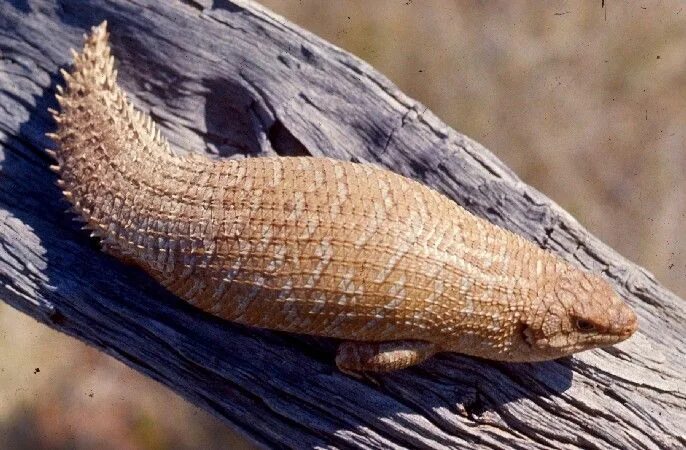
{"x": 100, "y": 138}
{"x": 93, "y": 73}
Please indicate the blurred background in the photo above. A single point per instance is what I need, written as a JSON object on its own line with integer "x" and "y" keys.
{"x": 585, "y": 103}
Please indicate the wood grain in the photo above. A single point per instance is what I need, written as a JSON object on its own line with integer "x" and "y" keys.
{"x": 237, "y": 76}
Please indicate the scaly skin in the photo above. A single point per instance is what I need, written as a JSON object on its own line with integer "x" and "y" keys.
{"x": 318, "y": 246}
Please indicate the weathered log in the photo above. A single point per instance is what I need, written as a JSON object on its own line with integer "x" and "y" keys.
{"x": 234, "y": 78}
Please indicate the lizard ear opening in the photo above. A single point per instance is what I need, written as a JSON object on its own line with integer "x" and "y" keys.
{"x": 528, "y": 334}
{"x": 534, "y": 336}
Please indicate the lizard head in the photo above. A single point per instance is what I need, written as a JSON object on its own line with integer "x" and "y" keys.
{"x": 574, "y": 311}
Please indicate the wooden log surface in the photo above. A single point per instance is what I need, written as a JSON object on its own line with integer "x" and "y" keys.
{"x": 231, "y": 78}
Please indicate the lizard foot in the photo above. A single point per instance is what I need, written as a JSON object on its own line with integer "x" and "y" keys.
{"x": 353, "y": 356}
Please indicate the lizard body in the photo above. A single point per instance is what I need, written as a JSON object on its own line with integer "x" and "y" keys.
{"x": 318, "y": 246}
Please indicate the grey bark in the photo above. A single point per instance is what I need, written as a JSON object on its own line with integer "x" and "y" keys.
{"x": 234, "y": 78}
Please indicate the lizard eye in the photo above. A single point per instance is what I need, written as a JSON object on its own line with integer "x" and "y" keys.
{"x": 584, "y": 325}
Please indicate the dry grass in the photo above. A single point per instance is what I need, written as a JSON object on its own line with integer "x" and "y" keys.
{"x": 586, "y": 104}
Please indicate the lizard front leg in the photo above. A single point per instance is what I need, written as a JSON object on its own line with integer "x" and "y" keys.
{"x": 354, "y": 356}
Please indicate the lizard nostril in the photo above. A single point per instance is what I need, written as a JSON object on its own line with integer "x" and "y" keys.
{"x": 631, "y": 327}
{"x": 631, "y": 323}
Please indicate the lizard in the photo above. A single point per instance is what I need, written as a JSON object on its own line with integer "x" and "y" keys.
{"x": 394, "y": 269}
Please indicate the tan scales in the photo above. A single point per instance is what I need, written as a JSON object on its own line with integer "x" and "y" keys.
{"x": 318, "y": 246}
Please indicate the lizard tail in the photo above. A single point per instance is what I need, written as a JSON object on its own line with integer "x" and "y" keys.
{"x": 93, "y": 77}
{"x": 105, "y": 149}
